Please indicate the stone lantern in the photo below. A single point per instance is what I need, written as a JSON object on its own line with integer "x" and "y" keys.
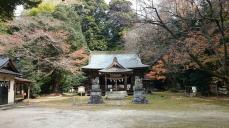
{"x": 95, "y": 95}
{"x": 139, "y": 92}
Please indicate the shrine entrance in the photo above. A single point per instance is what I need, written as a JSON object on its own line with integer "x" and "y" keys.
{"x": 117, "y": 83}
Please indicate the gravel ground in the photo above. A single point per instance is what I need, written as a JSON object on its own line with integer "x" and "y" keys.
{"x": 37, "y": 117}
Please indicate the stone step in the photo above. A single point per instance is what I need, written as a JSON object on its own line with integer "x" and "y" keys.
{"x": 116, "y": 95}
{"x": 223, "y": 90}
{"x": 6, "y": 106}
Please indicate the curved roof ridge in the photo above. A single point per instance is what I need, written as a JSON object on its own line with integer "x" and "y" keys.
{"x": 111, "y": 52}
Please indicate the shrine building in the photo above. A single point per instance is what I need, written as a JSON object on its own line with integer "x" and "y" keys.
{"x": 116, "y": 71}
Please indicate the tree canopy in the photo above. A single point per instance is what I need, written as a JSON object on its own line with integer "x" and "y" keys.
{"x": 7, "y": 7}
{"x": 50, "y": 42}
{"x": 196, "y": 35}
{"x": 100, "y": 23}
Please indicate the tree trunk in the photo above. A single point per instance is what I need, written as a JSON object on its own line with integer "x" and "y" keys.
{"x": 56, "y": 76}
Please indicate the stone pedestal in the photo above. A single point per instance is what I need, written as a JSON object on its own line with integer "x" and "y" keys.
{"x": 139, "y": 96}
{"x": 95, "y": 97}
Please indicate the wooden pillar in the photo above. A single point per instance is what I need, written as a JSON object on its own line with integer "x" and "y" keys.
{"x": 105, "y": 83}
{"x": 125, "y": 83}
{"x": 22, "y": 91}
{"x": 28, "y": 93}
{"x": 132, "y": 82}
{"x": 116, "y": 85}
{"x": 15, "y": 92}
{"x": 91, "y": 83}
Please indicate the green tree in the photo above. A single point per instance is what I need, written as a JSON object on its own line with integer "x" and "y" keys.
{"x": 121, "y": 13}
{"x": 120, "y": 17}
{"x": 42, "y": 8}
{"x": 7, "y": 7}
{"x": 94, "y": 17}
{"x": 70, "y": 81}
{"x": 72, "y": 23}
{"x": 43, "y": 54}
{"x": 103, "y": 25}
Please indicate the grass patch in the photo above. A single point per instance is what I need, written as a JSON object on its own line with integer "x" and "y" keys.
{"x": 157, "y": 101}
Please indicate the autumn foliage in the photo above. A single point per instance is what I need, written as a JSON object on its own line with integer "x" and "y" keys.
{"x": 157, "y": 72}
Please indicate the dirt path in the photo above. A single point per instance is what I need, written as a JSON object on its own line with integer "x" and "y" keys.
{"x": 34, "y": 117}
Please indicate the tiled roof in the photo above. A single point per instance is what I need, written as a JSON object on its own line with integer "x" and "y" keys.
{"x": 101, "y": 60}
{"x": 4, "y": 61}
{"x": 7, "y": 67}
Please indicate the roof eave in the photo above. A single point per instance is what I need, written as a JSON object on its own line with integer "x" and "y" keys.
{"x": 107, "y": 72}
{"x": 14, "y": 74}
{"x": 23, "y": 80}
{"x": 91, "y": 68}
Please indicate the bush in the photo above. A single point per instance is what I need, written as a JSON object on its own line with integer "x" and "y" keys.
{"x": 3, "y": 27}
{"x": 70, "y": 81}
{"x": 35, "y": 90}
{"x": 42, "y": 8}
{"x": 189, "y": 78}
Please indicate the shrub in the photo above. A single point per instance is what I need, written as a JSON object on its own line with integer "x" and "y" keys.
{"x": 3, "y": 27}
{"x": 70, "y": 81}
{"x": 42, "y": 8}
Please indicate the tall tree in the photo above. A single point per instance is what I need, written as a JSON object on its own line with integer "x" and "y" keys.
{"x": 103, "y": 25}
{"x": 188, "y": 21}
{"x": 93, "y": 13}
{"x": 43, "y": 46}
{"x": 121, "y": 16}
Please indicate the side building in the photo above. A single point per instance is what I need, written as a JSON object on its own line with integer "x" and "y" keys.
{"x": 11, "y": 82}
